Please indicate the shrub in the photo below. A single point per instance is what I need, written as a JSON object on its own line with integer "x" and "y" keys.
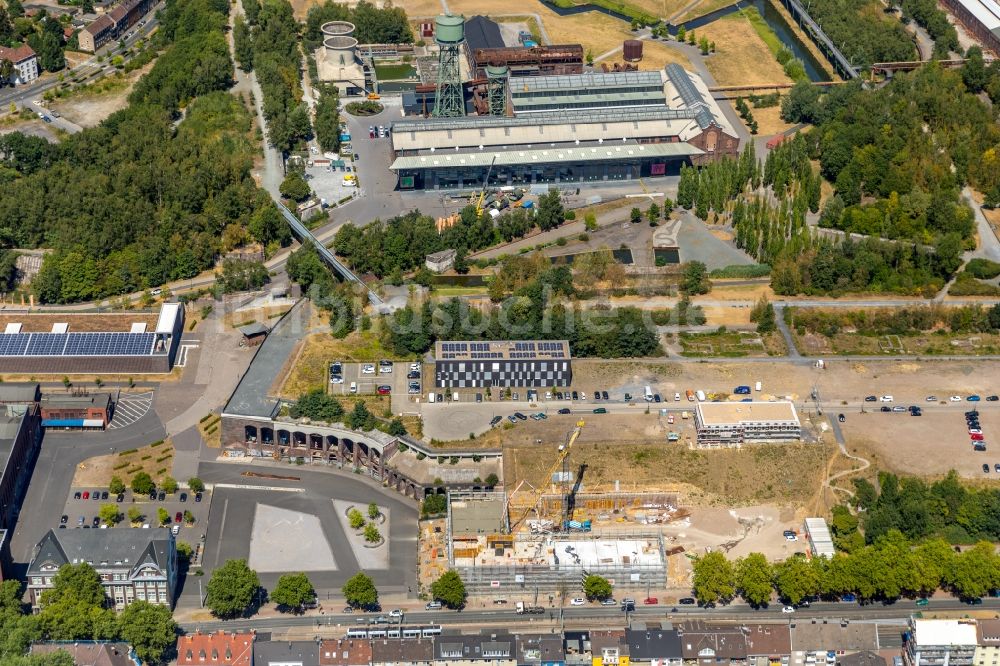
{"x": 984, "y": 269}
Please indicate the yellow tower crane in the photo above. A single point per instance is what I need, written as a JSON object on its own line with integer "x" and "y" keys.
{"x": 540, "y": 490}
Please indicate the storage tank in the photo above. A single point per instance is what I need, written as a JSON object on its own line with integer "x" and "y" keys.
{"x": 340, "y": 50}
{"x": 337, "y": 29}
{"x": 632, "y": 50}
{"x": 449, "y": 30}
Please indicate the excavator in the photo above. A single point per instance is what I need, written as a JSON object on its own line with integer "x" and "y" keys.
{"x": 564, "y": 450}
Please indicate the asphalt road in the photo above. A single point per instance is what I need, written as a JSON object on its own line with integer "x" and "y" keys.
{"x": 611, "y": 616}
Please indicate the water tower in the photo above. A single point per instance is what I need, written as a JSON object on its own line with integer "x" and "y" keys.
{"x": 449, "y": 33}
{"x": 496, "y": 89}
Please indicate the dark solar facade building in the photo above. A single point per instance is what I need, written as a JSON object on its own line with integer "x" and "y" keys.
{"x": 65, "y": 351}
{"x": 511, "y": 363}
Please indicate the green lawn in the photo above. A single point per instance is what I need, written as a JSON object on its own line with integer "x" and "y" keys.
{"x": 394, "y": 72}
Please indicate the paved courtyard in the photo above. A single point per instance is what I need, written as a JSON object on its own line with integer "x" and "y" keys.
{"x": 281, "y": 536}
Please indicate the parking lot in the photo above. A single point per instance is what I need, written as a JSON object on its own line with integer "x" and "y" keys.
{"x": 81, "y": 512}
{"x": 368, "y": 377}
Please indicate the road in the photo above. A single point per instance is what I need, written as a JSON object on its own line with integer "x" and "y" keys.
{"x": 897, "y": 613}
{"x": 989, "y": 244}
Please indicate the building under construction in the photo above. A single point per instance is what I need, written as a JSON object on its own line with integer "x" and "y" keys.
{"x": 532, "y": 61}
{"x": 612, "y": 535}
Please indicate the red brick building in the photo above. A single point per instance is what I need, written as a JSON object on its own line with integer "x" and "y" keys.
{"x": 217, "y": 648}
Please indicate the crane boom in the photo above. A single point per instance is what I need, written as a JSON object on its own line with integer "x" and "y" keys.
{"x": 486, "y": 184}
{"x": 540, "y": 490}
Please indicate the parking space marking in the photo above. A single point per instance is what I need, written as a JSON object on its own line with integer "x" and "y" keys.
{"x": 182, "y": 354}
{"x": 130, "y": 408}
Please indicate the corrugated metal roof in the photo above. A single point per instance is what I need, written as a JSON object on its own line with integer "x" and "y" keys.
{"x": 568, "y": 155}
{"x": 587, "y": 81}
{"x": 562, "y": 117}
{"x": 986, "y": 12}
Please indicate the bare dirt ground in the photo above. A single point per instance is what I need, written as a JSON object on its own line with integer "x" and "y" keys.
{"x": 741, "y": 57}
{"x": 88, "y": 109}
{"x": 97, "y": 471}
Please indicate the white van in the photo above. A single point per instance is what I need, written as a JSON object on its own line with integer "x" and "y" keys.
{"x": 354, "y": 387}
{"x": 430, "y": 397}
{"x": 648, "y": 394}
{"x": 700, "y": 395}
{"x": 758, "y": 386}
{"x": 454, "y": 396}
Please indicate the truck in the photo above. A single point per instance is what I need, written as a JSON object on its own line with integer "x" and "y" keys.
{"x": 690, "y": 395}
{"x": 576, "y": 525}
{"x": 522, "y": 608}
{"x": 700, "y": 395}
{"x": 648, "y": 394}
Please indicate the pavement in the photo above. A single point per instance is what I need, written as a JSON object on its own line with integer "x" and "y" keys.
{"x": 989, "y": 244}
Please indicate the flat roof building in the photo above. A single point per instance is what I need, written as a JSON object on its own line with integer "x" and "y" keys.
{"x": 529, "y": 61}
{"x": 733, "y": 423}
{"x": 20, "y": 437}
{"x": 936, "y": 642}
{"x": 574, "y": 128}
{"x": 979, "y": 17}
{"x": 85, "y": 410}
{"x": 819, "y": 537}
{"x": 509, "y": 363}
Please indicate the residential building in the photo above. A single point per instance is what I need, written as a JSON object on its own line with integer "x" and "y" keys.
{"x": 540, "y": 650}
{"x": 710, "y": 644}
{"x": 722, "y": 424}
{"x": 89, "y": 653}
{"x": 20, "y": 437}
{"x": 132, "y": 564}
{"x": 496, "y": 648}
{"x": 655, "y": 646}
{"x": 25, "y": 63}
{"x": 345, "y": 652}
{"x": 217, "y": 648}
{"x": 402, "y": 652}
{"x": 823, "y": 636}
{"x": 113, "y": 24}
{"x": 87, "y": 410}
{"x": 988, "y": 639}
{"x": 609, "y": 647}
{"x": 767, "y": 644}
{"x": 286, "y": 653}
{"x": 442, "y": 261}
{"x": 941, "y": 643}
{"x": 507, "y": 363}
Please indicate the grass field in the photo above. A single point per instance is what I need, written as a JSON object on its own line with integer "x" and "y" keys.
{"x": 930, "y": 344}
{"x": 741, "y": 57}
{"x": 758, "y": 473}
{"x": 769, "y": 121}
{"x": 656, "y": 55}
{"x": 732, "y": 343}
{"x": 702, "y": 8}
{"x": 394, "y": 72}
{"x": 309, "y": 370}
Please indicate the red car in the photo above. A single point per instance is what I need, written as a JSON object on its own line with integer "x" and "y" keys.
{"x": 384, "y": 390}
{"x": 178, "y": 516}
{"x": 651, "y": 601}
{"x": 86, "y": 494}
{"x": 976, "y": 437}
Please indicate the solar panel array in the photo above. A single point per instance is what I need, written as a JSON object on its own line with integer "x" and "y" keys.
{"x": 502, "y": 350}
{"x": 76, "y": 344}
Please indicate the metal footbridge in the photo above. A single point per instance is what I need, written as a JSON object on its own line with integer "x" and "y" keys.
{"x": 306, "y": 236}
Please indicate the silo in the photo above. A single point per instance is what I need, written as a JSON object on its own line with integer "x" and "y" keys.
{"x": 632, "y": 50}
{"x": 449, "y": 33}
{"x": 339, "y": 44}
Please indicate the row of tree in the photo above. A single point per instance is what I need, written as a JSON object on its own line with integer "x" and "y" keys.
{"x": 273, "y": 33}
{"x": 897, "y": 321}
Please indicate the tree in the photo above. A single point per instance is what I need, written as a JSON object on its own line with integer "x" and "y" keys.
{"x": 360, "y": 592}
{"x": 596, "y": 587}
{"x": 295, "y": 187}
{"x": 372, "y": 535}
{"x": 491, "y": 480}
{"x": 168, "y": 485}
{"x": 134, "y": 514}
{"x": 461, "y": 261}
{"x": 293, "y": 591}
{"x": 635, "y": 216}
{"x": 974, "y": 73}
{"x": 243, "y": 44}
{"x": 373, "y": 511}
{"x": 653, "y": 213}
{"x": 795, "y": 580}
{"x": 433, "y": 505}
{"x": 753, "y": 579}
{"x": 232, "y": 589}
{"x": 142, "y": 484}
{"x": 694, "y": 279}
{"x": 163, "y": 516}
{"x": 184, "y": 552}
{"x": 110, "y": 515}
{"x": 196, "y": 484}
{"x": 242, "y": 275}
{"x": 681, "y": 34}
{"x": 356, "y": 519}
{"x": 449, "y": 589}
{"x": 714, "y": 580}
{"x": 975, "y": 572}
{"x": 802, "y": 103}
{"x": 150, "y": 630}
{"x": 116, "y": 486}
{"x": 550, "y": 211}
{"x": 763, "y": 315}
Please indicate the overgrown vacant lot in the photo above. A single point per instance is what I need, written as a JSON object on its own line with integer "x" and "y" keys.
{"x": 759, "y": 473}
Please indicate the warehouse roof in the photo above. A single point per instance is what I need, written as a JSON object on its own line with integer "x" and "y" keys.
{"x": 482, "y": 33}
{"x": 734, "y": 413}
{"x": 564, "y": 155}
{"x": 986, "y": 12}
{"x": 588, "y": 81}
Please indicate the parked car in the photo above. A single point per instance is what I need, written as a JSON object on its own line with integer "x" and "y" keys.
{"x": 368, "y": 369}
{"x": 578, "y": 601}
{"x": 104, "y": 494}
{"x": 931, "y": 398}
{"x": 886, "y": 408}
{"x": 96, "y": 495}
{"x": 178, "y": 517}
{"x": 512, "y": 418}
{"x": 96, "y": 521}
{"x": 384, "y": 389}
{"x": 986, "y": 468}
{"x": 576, "y": 396}
{"x": 886, "y": 398}
{"x": 520, "y": 416}
{"x": 162, "y": 496}
{"x": 564, "y": 410}
{"x": 495, "y": 420}
{"x": 183, "y": 497}
{"x": 609, "y": 602}
{"x": 64, "y": 520}
{"x": 922, "y": 602}
{"x": 976, "y": 436}
{"x": 86, "y": 495}
{"x": 841, "y": 418}
{"x": 688, "y": 601}
{"x": 992, "y": 398}
{"x": 604, "y": 395}
{"x": 973, "y": 398}
{"x": 433, "y": 605}
{"x": 787, "y": 609}
{"x": 197, "y": 497}
{"x": 600, "y": 410}
{"x": 899, "y": 408}
{"x": 120, "y": 498}
{"x": 395, "y": 613}
{"x": 955, "y": 398}
{"x": 650, "y": 601}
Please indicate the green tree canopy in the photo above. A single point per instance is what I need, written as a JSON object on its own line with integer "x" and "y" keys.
{"x": 293, "y": 591}
{"x": 596, "y": 587}
{"x": 714, "y": 579}
{"x": 116, "y": 485}
{"x": 232, "y": 589}
{"x": 360, "y": 592}
{"x": 449, "y": 589}
{"x": 753, "y": 579}
{"x": 142, "y": 484}
{"x": 150, "y": 629}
